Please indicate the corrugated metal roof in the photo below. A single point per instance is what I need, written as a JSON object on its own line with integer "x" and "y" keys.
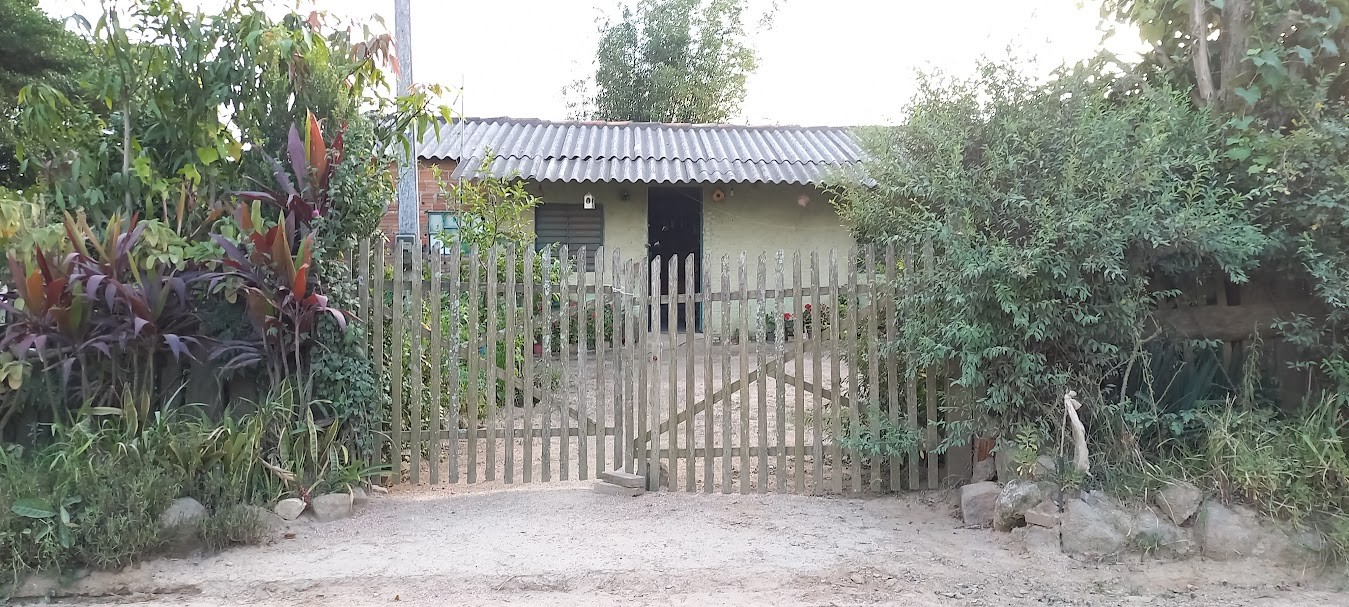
{"x": 643, "y": 151}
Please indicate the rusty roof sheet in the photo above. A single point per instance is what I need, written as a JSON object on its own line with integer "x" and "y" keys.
{"x": 643, "y": 151}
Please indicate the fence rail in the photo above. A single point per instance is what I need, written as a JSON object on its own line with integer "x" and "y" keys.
{"x": 511, "y": 365}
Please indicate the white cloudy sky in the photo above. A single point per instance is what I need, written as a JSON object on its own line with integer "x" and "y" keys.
{"x": 825, "y": 62}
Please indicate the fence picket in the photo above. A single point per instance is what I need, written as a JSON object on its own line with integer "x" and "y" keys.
{"x": 396, "y": 364}
{"x": 854, "y": 371}
{"x": 456, "y": 354}
{"x": 690, "y": 476}
{"x": 363, "y": 290}
{"x": 836, "y": 375}
{"x": 817, "y": 371}
{"x": 512, "y": 378}
{"x": 651, "y": 387}
{"x": 779, "y": 380}
{"x": 931, "y": 438}
{"x": 415, "y": 411}
{"x": 911, "y": 378}
{"x": 622, "y": 344}
{"x": 531, "y": 358}
{"x": 564, "y": 401}
{"x": 709, "y": 459}
{"x": 891, "y": 364}
{"x": 601, "y": 362}
{"x": 873, "y": 377}
{"x": 726, "y": 374}
{"x": 761, "y": 435}
{"x": 435, "y": 354}
{"x": 583, "y": 423}
{"x": 744, "y": 376}
{"x": 376, "y": 320}
{"x": 671, "y": 320}
{"x": 799, "y": 356}
{"x": 550, "y": 393}
{"x": 473, "y": 400}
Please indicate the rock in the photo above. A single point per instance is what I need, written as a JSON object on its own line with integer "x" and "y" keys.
{"x": 1045, "y": 514}
{"x": 1005, "y": 461}
{"x": 270, "y": 521}
{"x": 1038, "y": 539}
{"x": 378, "y": 490}
{"x": 605, "y": 488}
{"x": 290, "y": 508}
{"x": 977, "y": 501}
{"x": 1013, "y": 501}
{"x": 1089, "y": 530}
{"x": 623, "y": 479}
{"x": 984, "y": 470}
{"x": 358, "y": 496}
{"x": 1046, "y": 466}
{"x": 331, "y": 506}
{"x": 1179, "y": 500}
{"x": 1224, "y": 535}
{"x": 184, "y": 513}
{"x": 1154, "y": 533}
{"x": 181, "y": 525}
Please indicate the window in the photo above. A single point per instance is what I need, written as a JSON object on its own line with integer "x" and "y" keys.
{"x": 440, "y": 227}
{"x": 572, "y": 225}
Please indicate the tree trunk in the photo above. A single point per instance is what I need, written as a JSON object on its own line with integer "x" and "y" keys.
{"x": 1235, "y": 70}
{"x": 1203, "y": 75}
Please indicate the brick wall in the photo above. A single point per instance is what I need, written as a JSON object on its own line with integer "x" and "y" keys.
{"x": 429, "y": 193}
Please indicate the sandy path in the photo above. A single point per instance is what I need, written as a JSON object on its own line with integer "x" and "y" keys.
{"x": 561, "y": 544}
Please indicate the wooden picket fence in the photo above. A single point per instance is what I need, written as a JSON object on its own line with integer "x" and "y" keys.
{"x": 513, "y": 366}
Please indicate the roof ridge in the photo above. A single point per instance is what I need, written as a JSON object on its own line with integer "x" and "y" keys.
{"x": 635, "y": 123}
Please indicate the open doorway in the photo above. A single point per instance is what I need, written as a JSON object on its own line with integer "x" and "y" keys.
{"x": 675, "y": 227}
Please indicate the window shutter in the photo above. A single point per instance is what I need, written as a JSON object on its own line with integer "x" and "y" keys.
{"x": 572, "y": 225}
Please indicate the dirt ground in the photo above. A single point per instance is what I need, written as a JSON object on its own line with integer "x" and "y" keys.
{"x": 562, "y": 544}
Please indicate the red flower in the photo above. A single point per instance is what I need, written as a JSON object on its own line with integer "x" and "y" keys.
{"x": 807, "y": 307}
{"x": 786, "y": 316}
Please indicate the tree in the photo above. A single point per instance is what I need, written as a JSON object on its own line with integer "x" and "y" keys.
{"x": 33, "y": 48}
{"x": 670, "y": 61}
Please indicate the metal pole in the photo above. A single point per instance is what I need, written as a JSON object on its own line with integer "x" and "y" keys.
{"x": 409, "y": 204}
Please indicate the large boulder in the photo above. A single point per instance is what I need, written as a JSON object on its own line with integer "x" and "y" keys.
{"x": 1004, "y": 460}
{"x": 183, "y": 513}
{"x": 1091, "y": 530}
{"x": 1154, "y": 533}
{"x": 977, "y": 501}
{"x": 984, "y": 470}
{"x": 331, "y": 506}
{"x": 1224, "y": 534}
{"x": 290, "y": 508}
{"x": 270, "y": 522}
{"x": 180, "y": 525}
{"x": 1179, "y": 500}
{"x": 1013, "y": 501}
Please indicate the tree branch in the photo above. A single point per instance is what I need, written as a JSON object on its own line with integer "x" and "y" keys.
{"x": 1203, "y": 75}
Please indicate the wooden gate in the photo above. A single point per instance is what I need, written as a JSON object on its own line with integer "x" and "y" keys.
{"x": 513, "y": 366}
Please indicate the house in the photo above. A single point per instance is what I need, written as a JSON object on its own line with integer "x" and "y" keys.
{"x": 651, "y": 189}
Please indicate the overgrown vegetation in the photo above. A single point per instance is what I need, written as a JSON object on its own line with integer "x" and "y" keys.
{"x": 1064, "y": 213}
{"x": 180, "y": 286}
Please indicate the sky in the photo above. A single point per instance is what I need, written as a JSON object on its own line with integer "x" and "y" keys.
{"x": 824, "y": 62}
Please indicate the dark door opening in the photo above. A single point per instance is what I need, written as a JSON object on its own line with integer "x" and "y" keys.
{"x": 675, "y": 227}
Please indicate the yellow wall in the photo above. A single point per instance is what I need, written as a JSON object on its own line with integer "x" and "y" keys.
{"x": 752, "y": 218}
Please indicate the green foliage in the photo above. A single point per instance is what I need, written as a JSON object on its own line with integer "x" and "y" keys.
{"x": 671, "y": 61}
{"x": 33, "y": 48}
{"x": 1050, "y": 208}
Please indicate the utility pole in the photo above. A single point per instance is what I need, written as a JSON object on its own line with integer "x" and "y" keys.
{"x": 409, "y": 203}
